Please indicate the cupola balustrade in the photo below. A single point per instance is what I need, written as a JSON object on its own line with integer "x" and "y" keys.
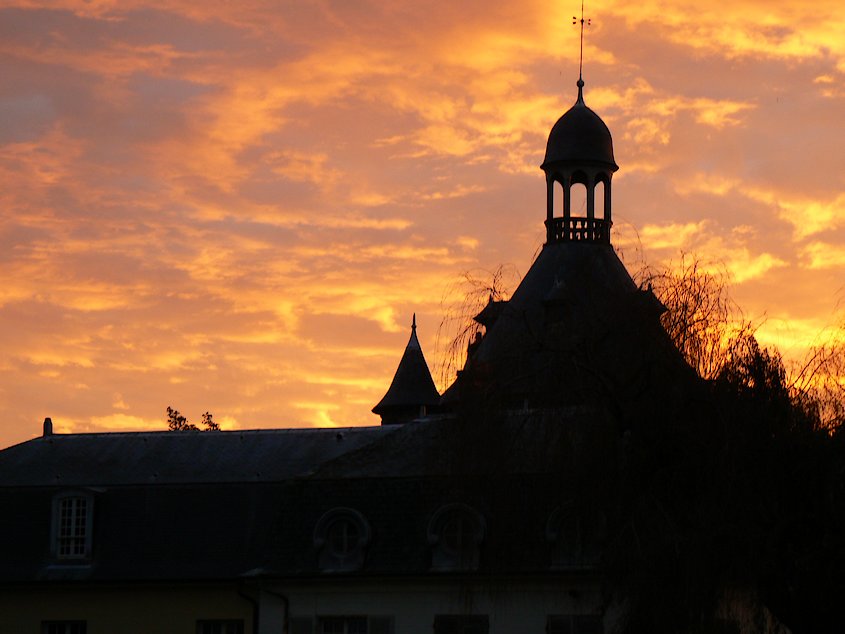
{"x": 578, "y": 230}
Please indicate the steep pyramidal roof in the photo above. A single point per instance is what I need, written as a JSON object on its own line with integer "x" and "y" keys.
{"x": 412, "y": 391}
{"x": 577, "y": 331}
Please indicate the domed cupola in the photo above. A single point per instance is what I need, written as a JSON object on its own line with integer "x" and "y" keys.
{"x": 579, "y": 151}
{"x": 580, "y": 136}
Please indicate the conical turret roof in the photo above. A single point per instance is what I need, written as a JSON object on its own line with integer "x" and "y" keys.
{"x": 412, "y": 387}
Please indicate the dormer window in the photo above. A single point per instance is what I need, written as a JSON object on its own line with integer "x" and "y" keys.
{"x": 64, "y": 627}
{"x": 72, "y": 526}
{"x": 455, "y": 533}
{"x": 341, "y": 538}
{"x": 575, "y": 534}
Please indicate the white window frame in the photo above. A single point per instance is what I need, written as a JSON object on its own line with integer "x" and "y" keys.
{"x": 461, "y": 624}
{"x": 573, "y": 623}
{"x": 220, "y": 626}
{"x": 72, "y": 526}
{"x": 346, "y": 622}
{"x": 374, "y": 624}
{"x": 64, "y": 627}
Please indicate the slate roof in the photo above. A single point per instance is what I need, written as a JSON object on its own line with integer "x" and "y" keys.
{"x": 576, "y": 330}
{"x": 517, "y": 443}
{"x": 491, "y": 311}
{"x": 516, "y": 510}
{"x": 263, "y": 455}
{"x": 208, "y": 516}
{"x": 585, "y": 280}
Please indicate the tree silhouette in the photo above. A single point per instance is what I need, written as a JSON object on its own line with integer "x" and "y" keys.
{"x": 177, "y": 422}
{"x": 461, "y": 302}
{"x": 210, "y": 425}
{"x": 701, "y": 318}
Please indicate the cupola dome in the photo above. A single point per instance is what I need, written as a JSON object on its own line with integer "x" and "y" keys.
{"x": 580, "y": 136}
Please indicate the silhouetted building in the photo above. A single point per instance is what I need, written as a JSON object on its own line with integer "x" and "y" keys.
{"x": 477, "y": 520}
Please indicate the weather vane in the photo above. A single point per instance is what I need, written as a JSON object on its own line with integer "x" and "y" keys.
{"x": 583, "y": 22}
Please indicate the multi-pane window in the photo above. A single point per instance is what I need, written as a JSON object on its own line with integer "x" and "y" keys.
{"x": 220, "y": 626}
{"x": 343, "y": 537}
{"x": 576, "y": 534}
{"x": 457, "y": 534}
{"x": 575, "y": 624}
{"x": 461, "y": 624}
{"x": 342, "y": 625}
{"x": 63, "y": 627}
{"x": 72, "y": 537}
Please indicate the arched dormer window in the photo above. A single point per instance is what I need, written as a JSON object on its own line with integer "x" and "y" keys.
{"x": 72, "y": 526}
{"x": 455, "y": 534}
{"x": 341, "y": 538}
{"x": 575, "y": 535}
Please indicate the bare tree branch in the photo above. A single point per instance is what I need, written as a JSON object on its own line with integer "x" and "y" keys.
{"x": 462, "y": 301}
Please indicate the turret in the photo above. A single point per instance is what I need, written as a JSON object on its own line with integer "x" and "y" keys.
{"x": 412, "y": 393}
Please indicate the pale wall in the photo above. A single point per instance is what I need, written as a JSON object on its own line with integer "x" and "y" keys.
{"x": 515, "y": 605}
{"x": 122, "y": 610}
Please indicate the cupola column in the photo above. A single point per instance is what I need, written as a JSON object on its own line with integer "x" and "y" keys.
{"x": 566, "y": 185}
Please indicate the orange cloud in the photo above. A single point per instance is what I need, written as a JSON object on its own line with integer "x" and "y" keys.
{"x": 236, "y": 207}
{"x": 744, "y": 29}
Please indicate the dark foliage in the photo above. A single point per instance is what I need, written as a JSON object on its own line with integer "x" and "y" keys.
{"x": 177, "y": 422}
{"x": 209, "y": 423}
{"x": 743, "y": 493}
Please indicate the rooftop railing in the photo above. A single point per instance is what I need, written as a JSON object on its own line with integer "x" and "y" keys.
{"x": 578, "y": 230}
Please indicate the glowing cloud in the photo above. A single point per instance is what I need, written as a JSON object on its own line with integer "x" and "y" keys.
{"x": 236, "y": 207}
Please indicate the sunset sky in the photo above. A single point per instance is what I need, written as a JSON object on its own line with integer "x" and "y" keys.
{"x": 236, "y": 206}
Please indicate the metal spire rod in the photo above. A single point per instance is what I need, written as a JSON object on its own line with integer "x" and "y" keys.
{"x": 581, "y": 55}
